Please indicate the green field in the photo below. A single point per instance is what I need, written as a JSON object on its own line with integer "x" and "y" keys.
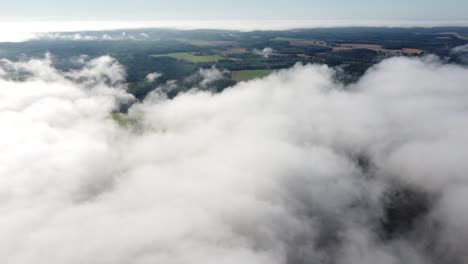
{"x": 249, "y": 74}
{"x": 190, "y": 57}
{"x": 121, "y": 119}
{"x": 207, "y": 43}
{"x": 285, "y": 39}
{"x": 302, "y": 42}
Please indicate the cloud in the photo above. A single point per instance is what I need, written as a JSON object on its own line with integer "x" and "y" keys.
{"x": 461, "y": 52}
{"x": 266, "y": 52}
{"x": 291, "y": 168}
{"x": 71, "y": 36}
{"x": 203, "y": 79}
{"x": 151, "y": 77}
{"x": 210, "y": 75}
{"x": 460, "y": 49}
{"x": 80, "y": 60}
{"x": 101, "y": 70}
{"x": 62, "y": 36}
{"x": 106, "y": 37}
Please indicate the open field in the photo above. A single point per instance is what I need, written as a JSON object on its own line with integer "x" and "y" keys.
{"x": 302, "y": 42}
{"x": 462, "y": 37}
{"x": 190, "y": 57}
{"x": 412, "y": 51}
{"x": 121, "y": 119}
{"x": 459, "y": 36}
{"x": 210, "y": 43}
{"x": 249, "y": 74}
{"x": 378, "y": 48}
{"x": 341, "y": 47}
{"x": 234, "y": 51}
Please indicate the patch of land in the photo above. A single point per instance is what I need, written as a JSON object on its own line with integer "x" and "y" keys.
{"x": 302, "y": 42}
{"x": 120, "y": 119}
{"x": 191, "y": 57}
{"x": 340, "y": 47}
{"x": 457, "y": 35}
{"x": 412, "y": 51}
{"x": 246, "y": 75}
{"x": 210, "y": 43}
{"x": 462, "y": 37}
{"x": 234, "y": 51}
{"x": 377, "y": 48}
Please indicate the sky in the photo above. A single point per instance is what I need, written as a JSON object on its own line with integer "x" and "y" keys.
{"x": 223, "y": 9}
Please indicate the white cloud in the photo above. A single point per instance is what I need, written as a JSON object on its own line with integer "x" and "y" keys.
{"x": 83, "y": 37}
{"x": 461, "y": 52}
{"x": 101, "y": 70}
{"x": 151, "y": 77}
{"x": 106, "y": 37}
{"x": 210, "y": 75}
{"x": 264, "y": 172}
{"x": 266, "y": 52}
{"x": 200, "y": 80}
{"x": 62, "y": 36}
{"x": 461, "y": 49}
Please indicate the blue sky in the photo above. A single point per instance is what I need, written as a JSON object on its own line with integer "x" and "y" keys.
{"x": 240, "y": 9}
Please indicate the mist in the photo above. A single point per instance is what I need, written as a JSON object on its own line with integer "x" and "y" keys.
{"x": 289, "y": 169}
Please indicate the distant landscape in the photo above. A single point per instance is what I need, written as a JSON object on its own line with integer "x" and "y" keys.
{"x": 176, "y": 54}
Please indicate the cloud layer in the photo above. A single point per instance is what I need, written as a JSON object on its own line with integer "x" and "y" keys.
{"x": 460, "y": 53}
{"x": 293, "y": 168}
{"x": 266, "y": 52}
